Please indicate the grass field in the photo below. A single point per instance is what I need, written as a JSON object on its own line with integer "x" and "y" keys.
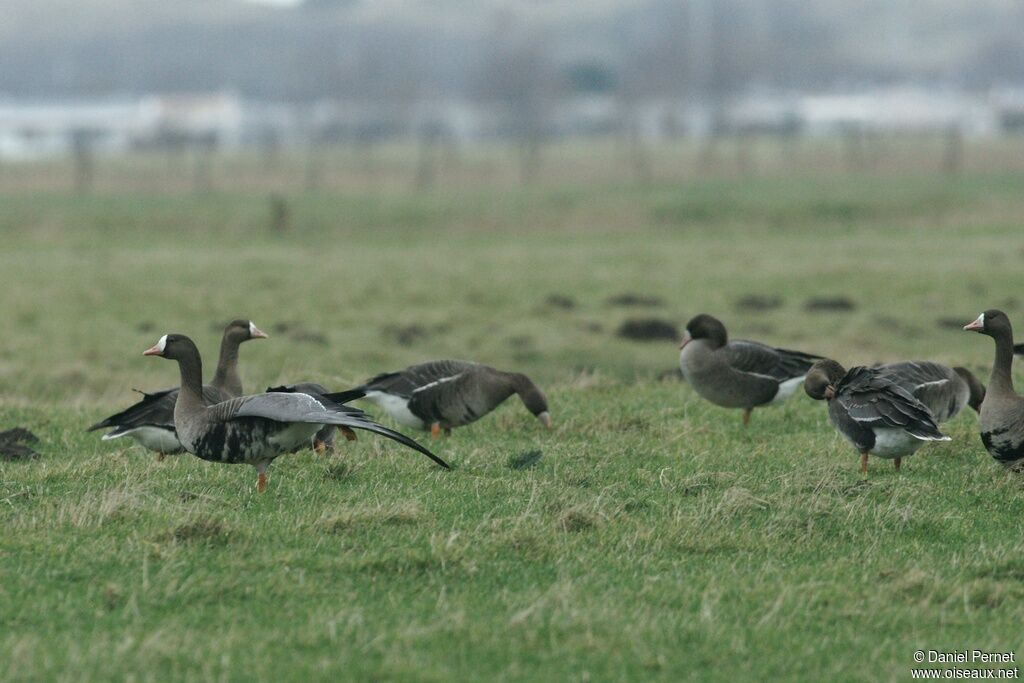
{"x": 655, "y": 539}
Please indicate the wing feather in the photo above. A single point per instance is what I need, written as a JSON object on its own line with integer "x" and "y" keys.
{"x": 761, "y": 359}
{"x": 303, "y": 408}
{"x": 874, "y": 401}
{"x": 155, "y": 409}
{"x": 406, "y": 382}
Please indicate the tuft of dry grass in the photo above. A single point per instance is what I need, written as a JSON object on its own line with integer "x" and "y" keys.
{"x": 402, "y": 514}
{"x": 202, "y": 530}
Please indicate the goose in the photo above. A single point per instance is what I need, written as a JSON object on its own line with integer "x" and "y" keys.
{"x": 739, "y": 373}
{"x": 877, "y": 415}
{"x": 944, "y": 390}
{"x": 444, "y": 394}
{"x": 151, "y": 421}
{"x": 258, "y": 428}
{"x": 1002, "y": 411}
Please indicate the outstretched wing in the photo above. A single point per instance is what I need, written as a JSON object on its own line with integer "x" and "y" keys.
{"x": 405, "y": 382}
{"x": 874, "y": 401}
{"x": 780, "y": 364}
{"x": 303, "y": 408}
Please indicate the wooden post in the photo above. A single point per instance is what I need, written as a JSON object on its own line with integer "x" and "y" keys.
{"x": 84, "y": 164}
{"x": 202, "y": 171}
{"x": 953, "y": 156}
{"x": 280, "y": 221}
{"x": 426, "y": 171}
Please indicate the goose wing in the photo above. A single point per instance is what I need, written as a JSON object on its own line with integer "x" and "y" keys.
{"x": 874, "y": 401}
{"x": 761, "y": 359}
{"x": 302, "y": 408}
{"x": 937, "y": 386}
{"x": 311, "y": 388}
{"x": 460, "y": 398}
{"x": 405, "y": 382}
{"x": 154, "y": 410}
{"x": 318, "y": 390}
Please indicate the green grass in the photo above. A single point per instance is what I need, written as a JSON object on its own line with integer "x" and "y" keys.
{"x": 655, "y": 538}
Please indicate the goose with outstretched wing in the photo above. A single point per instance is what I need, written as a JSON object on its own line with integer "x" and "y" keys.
{"x": 255, "y": 429}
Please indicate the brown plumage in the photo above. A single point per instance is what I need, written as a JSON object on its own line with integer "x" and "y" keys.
{"x": 738, "y": 374}
{"x": 444, "y": 394}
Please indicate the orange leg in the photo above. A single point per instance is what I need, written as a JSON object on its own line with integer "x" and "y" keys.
{"x": 349, "y": 434}
{"x": 435, "y": 430}
{"x": 746, "y": 416}
{"x": 319, "y": 447}
{"x": 261, "y": 482}
{"x": 896, "y": 463}
{"x": 864, "y": 463}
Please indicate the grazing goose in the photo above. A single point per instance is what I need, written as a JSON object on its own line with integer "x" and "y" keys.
{"x": 151, "y": 420}
{"x": 1002, "y": 411}
{"x": 254, "y": 429}
{"x": 877, "y": 415}
{"x": 738, "y": 374}
{"x": 443, "y": 394}
{"x": 945, "y": 391}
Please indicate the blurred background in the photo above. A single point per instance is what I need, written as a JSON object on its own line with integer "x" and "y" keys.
{"x": 339, "y": 95}
{"x": 554, "y": 187}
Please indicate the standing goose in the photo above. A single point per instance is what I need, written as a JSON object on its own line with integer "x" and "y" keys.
{"x": 945, "y": 391}
{"x": 1002, "y": 411}
{"x": 874, "y": 413}
{"x": 738, "y": 374}
{"x": 254, "y": 429}
{"x": 443, "y": 394}
{"x": 151, "y": 421}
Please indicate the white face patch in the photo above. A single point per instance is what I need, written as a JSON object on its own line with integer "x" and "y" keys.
{"x": 252, "y": 329}
{"x": 162, "y": 344}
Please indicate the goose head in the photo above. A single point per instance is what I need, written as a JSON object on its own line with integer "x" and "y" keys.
{"x": 821, "y": 380}
{"x": 241, "y": 330}
{"x": 173, "y": 347}
{"x": 991, "y": 323}
{"x": 532, "y": 397}
{"x": 705, "y": 327}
